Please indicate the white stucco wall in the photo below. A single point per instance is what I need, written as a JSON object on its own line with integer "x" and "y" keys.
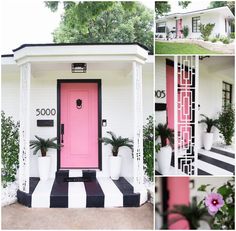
{"x": 117, "y": 106}
{"x": 160, "y": 84}
{"x": 212, "y": 17}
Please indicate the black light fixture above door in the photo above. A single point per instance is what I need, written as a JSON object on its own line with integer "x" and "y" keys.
{"x": 79, "y": 67}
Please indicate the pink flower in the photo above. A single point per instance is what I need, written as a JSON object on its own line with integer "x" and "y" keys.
{"x": 214, "y": 201}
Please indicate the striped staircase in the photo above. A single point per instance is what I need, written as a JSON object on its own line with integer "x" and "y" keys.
{"x": 79, "y": 189}
{"x": 216, "y": 162}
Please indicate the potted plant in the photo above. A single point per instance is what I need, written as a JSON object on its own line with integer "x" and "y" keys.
{"x": 226, "y": 124}
{"x": 164, "y": 153}
{"x": 208, "y": 135}
{"x": 114, "y": 159}
{"x": 44, "y": 161}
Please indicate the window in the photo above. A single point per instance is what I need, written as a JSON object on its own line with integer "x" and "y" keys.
{"x": 161, "y": 27}
{"x": 226, "y": 94}
{"x": 226, "y": 25}
{"x": 196, "y": 24}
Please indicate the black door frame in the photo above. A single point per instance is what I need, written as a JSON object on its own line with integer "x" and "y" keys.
{"x": 99, "y": 83}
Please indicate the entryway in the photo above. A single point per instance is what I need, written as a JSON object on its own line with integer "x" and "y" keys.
{"x": 79, "y": 124}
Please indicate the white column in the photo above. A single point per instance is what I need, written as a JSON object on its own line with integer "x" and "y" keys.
{"x": 138, "y": 126}
{"x": 196, "y": 147}
{"x": 24, "y": 155}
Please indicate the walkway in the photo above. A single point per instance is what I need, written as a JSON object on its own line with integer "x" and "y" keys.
{"x": 17, "y": 216}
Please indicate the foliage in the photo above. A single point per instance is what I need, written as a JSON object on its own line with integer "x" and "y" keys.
{"x": 209, "y": 123}
{"x": 161, "y": 8}
{"x": 192, "y": 213}
{"x": 117, "y": 142}
{"x": 226, "y": 124}
{"x": 184, "y": 4}
{"x": 230, "y": 4}
{"x": 224, "y": 218}
{"x": 232, "y": 35}
{"x": 165, "y": 134}
{"x": 9, "y": 148}
{"x": 43, "y": 145}
{"x": 206, "y": 30}
{"x": 214, "y": 40}
{"x": 148, "y": 147}
{"x": 225, "y": 40}
{"x": 104, "y": 22}
{"x": 185, "y": 31}
{"x": 180, "y": 48}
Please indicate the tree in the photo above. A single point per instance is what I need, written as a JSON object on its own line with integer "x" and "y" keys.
{"x": 90, "y": 22}
{"x": 230, "y": 4}
{"x": 184, "y": 4}
{"x": 161, "y": 8}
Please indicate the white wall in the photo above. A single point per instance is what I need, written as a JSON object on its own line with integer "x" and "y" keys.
{"x": 206, "y": 18}
{"x": 117, "y": 106}
{"x": 160, "y": 84}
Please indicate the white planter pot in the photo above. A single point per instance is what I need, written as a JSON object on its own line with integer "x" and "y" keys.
{"x": 44, "y": 167}
{"x": 164, "y": 159}
{"x": 115, "y": 167}
{"x": 207, "y": 141}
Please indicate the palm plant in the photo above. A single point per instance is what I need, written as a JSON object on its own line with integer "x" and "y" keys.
{"x": 209, "y": 122}
{"x": 165, "y": 134}
{"x": 192, "y": 213}
{"x": 43, "y": 145}
{"x": 117, "y": 142}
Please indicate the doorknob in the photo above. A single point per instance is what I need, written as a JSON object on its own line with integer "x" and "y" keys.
{"x": 62, "y": 133}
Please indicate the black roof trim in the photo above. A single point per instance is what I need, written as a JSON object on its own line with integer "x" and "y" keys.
{"x": 75, "y": 44}
{"x": 7, "y": 55}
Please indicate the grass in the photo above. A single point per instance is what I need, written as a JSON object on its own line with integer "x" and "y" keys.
{"x": 180, "y": 48}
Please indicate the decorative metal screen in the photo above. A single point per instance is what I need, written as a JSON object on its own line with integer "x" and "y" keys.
{"x": 186, "y": 106}
{"x": 138, "y": 125}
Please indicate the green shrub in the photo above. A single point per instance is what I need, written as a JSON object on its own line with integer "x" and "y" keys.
{"x": 185, "y": 31}
{"x": 232, "y": 35}
{"x": 226, "y": 40}
{"x": 206, "y": 30}
{"x": 226, "y": 123}
{"x": 214, "y": 40}
{"x": 9, "y": 149}
{"x": 148, "y": 147}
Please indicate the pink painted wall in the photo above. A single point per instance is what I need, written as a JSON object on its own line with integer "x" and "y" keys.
{"x": 170, "y": 95}
{"x": 179, "y": 194}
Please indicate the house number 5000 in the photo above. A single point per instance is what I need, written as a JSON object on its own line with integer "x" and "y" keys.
{"x": 46, "y": 111}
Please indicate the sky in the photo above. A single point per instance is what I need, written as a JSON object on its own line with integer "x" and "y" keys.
{"x": 29, "y": 21}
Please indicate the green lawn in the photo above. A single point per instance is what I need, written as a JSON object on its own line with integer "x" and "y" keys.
{"x": 180, "y": 48}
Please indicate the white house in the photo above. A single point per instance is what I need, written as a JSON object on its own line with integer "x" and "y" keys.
{"x": 42, "y": 91}
{"x": 173, "y": 24}
{"x": 186, "y": 87}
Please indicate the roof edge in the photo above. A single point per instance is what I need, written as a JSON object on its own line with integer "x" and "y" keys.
{"x": 7, "y": 55}
{"x": 76, "y": 44}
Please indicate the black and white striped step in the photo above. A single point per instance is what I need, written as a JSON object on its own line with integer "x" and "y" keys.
{"x": 100, "y": 192}
{"x": 215, "y": 162}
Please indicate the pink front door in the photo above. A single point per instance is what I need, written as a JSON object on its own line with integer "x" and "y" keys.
{"x": 179, "y": 28}
{"x": 79, "y": 125}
